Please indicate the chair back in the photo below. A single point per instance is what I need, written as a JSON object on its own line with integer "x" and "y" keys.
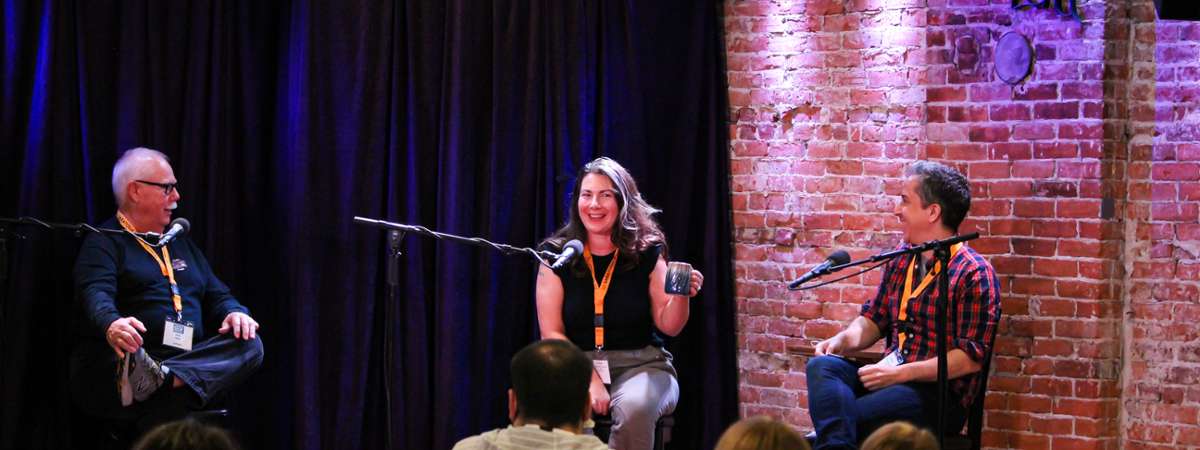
{"x": 975, "y": 412}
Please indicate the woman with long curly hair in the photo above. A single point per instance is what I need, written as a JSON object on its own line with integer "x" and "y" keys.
{"x": 612, "y": 302}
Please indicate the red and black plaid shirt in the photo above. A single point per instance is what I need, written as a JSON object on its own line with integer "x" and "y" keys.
{"x": 973, "y": 317}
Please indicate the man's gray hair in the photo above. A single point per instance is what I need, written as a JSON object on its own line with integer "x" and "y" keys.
{"x": 128, "y": 168}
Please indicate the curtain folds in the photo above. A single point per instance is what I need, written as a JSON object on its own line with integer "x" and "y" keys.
{"x": 284, "y": 120}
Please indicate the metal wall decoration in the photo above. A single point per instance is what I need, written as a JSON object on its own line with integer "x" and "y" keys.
{"x": 1068, "y": 8}
{"x": 1013, "y": 58}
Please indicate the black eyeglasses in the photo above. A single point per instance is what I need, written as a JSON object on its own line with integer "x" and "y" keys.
{"x": 167, "y": 188}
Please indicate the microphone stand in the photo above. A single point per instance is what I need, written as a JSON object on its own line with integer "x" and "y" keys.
{"x": 395, "y": 236}
{"x": 941, "y": 251}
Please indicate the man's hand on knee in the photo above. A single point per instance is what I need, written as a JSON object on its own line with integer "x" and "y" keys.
{"x": 242, "y": 325}
{"x": 878, "y": 376}
{"x": 123, "y": 335}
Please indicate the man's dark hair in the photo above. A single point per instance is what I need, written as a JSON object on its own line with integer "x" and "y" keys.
{"x": 944, "y": 186}
{"x": 550, "y": 378}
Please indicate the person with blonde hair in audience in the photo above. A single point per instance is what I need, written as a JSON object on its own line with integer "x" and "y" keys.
{"x": 900, "y": 436}
{"x": 186, "y": 434}
{"x": 761, "y": 433}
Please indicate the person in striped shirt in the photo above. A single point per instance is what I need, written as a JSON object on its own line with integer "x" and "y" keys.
{"x": 548, "y": 403}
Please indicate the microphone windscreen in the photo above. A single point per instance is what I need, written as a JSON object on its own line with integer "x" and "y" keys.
{"x": 575, "y": 244}
{"x": 183, "y": 223}
{"x": 839, "y": 257}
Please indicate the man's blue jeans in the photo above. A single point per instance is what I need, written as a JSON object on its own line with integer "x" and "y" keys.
{"x": 212, "y": 368}
{"x": 844, "y": 412}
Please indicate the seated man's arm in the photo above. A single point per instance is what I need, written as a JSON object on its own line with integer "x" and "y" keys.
{"x": 96, "y": 287}
{"x": 957, "y": 364}
{"x": 860, "y": 334}
{"x": 866, "y": 329}
{"x": 96, "y": 282}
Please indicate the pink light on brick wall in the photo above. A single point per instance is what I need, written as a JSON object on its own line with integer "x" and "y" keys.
{"x": 1086, "y": 185}
{"x": 828, "y": 103}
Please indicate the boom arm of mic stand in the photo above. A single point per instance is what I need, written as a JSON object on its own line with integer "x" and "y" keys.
{"x": 540, "y": 256}
{"x": 894, "y": 253}
{"x": 78, "y": 228}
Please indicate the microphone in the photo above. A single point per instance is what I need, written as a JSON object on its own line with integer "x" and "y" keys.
{"x": 836, "y": 259}
{"x": 178, "y": 226}
{"x": 570, "y": 252}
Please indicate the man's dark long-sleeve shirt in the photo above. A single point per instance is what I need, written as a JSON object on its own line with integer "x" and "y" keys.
{"x": 115, "y": 277}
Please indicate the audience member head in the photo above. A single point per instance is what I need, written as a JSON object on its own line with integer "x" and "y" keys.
{"x": 187, "y": 434}
{"x": 900, "y": 436}
{"x": 761, "y": 433}
{"x": 550, "y": 381}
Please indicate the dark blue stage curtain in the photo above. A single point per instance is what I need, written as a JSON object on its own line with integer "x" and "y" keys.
{"x": 285, "y": 119}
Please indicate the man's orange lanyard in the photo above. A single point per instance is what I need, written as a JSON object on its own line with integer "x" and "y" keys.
{"x": 909, "y": 294}
{"x": 599, "y": 290}
{"x": 163, "y": 265}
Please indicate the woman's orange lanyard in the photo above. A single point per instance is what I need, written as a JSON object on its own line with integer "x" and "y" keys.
{"x": 909, "y": 294}
{"x": 163, "y": 265}
{"x": 599, "y": 290}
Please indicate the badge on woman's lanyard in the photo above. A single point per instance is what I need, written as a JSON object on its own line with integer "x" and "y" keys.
{"x": 896, "y": 357}
{"x": 599, "y": 290}
{"x": 176, "y": 331}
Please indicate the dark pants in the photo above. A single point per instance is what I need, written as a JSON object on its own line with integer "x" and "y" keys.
{"x": 844, "y": 412}
{"x": 210, "y": 369}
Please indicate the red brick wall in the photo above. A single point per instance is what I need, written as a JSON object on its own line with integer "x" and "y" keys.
{"x": 829, "y": 106}
{"x": 1161, "y": 398}
{"x": 1086, "y": 181}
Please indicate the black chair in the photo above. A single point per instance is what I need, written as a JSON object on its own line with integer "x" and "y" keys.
{"x": 662, "y": 429}
{"x": 974, "y": 437}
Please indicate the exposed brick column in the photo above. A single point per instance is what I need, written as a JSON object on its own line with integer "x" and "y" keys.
{"x": 1162, "y": 387}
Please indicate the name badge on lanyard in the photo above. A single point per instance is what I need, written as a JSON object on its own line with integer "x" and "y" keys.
{"x": 601, "y": 366}
{"x": 178, "y": 334}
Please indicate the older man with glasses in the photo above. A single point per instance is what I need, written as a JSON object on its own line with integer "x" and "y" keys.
{"x": 145, "y": 306}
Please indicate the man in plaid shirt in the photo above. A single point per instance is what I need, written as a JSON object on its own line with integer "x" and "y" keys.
{"x": 847, "y": 401}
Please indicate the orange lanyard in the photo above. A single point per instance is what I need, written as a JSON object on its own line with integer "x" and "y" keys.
{"x": 599, "y": 290}
{"x": 910, "y": 294}
{"x": 163, "y": 265}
